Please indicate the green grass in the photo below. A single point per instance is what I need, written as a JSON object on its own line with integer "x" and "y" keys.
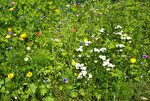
{"x": 52, "y": 52}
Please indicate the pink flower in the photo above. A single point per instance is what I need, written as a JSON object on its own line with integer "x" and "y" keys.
{"x": 12, "y": 3}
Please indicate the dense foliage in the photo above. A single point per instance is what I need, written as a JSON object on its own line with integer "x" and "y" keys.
{"x": 83, "y": 50}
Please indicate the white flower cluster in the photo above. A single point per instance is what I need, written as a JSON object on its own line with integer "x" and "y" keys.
{"x": 80, "y": 49}
{"x": 99, "y": 50}
{"x": 107, "y": 63}
{"x": 118, "y": 27}
{"x": 124, "y": 36}
{"x": 87, "y": 42}
{"x": 101, "y": 30}
{"x": 120, "y": 45}
{"x": 55, "y": 39}
{"x": 119, "y": 33}
{"x": 83, "y": 72}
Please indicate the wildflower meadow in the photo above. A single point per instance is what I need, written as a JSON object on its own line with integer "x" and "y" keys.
{"x": 75, "y": 50}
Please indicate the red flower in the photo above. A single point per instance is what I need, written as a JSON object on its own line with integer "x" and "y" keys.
{"x": 74, "y": 30}
{"x": 147, "y": 56}
{"x": 38, "y": 33}
{"x": 58, "y": 34}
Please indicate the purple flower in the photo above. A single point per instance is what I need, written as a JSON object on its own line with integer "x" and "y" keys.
{"x": 21, "y": 16}
{"x": 46, "y": 81}
{"x": 59, "y": 30}
{"x": 110, "y": 61}
{"x": 8, "y": 47}
{"x": 90, "y": 21}
{"x": 64, "y": 80}
{"x": 77, "y": 3}
{"x": 38, "y": 46}
{"x": 47, "y": 11}
{"x": 62, "y": 35}
{"x": 80, "y": 4}
{"x": 75, "y": 14}
{"x": 31, "y": 40}
{"x": 38, "y": 9}
{"x": 95, "y": 7}
{"x": 74, "y": 2}
{"x": 56, "y": 36}
{"x": 69, "y": 3}
{"x": 71, "y": 13}
{"x": 31, "y": 4}
{"x": 99, "y": 14}
{"x": 85, "y": 4}
{"x": 109, "y": 2}
{"x": 54, "y": 92}
{"x": 115, "y": 2}
{"x": 38, "y": 21}
{"x": 81, "y": 42}
{"x": 142, "y": 3}
{"x": 142, "y": 63}
{"x": 66, "y": 11}
{"x": 62, "y": 8}
{"x": 144, "y": 56}
{"x": 10, "y": 40}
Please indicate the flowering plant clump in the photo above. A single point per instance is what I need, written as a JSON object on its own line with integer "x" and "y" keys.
{"x": 90, "y": 50}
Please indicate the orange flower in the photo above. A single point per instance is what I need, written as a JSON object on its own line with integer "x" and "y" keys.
{"x": 58, "y": 34}
{"x": 74, "y": 4}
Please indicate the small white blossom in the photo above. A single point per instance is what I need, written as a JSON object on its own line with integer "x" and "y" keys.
{"x": 102, "y": 57}
{"x": 26, "y": 59}
{"x": 28, "y": 48}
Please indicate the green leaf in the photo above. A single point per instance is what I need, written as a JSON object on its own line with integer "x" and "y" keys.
{"x": 33, "y": 87}
{"x": 48, "y": 99}
{"x": 43, "y": 91}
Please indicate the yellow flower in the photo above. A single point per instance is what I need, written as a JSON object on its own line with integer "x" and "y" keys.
{"x": 21, "y": 39}
{"x": 8, "y": 36}
{"x": 11, "y": 9}
{"x": 10, "y": 76}
{"x": 14, "y": 34}
{"x": 73, "y": 63}
{"x": 56, "y": 10}
{"x": 133, "y": 60}
{"x": 76, "y": 74}
{"x": 51, "y": 3}
{"x": 100, "y": 13}
{"x": 29, "y": 74}
{"x": 23, "y": 35}
{"x": 85, "y": 39}
{"x": 9, "y": 29}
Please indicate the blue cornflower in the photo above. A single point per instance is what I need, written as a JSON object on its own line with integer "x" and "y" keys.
{"x": 115, "y": 2}
{"x": 67, "y": 20}
{"x": 43, "y": 16}
{"x": 31, "y": 4}
{"x": 10, "y": 32}
{"x": 64, "y": 80}
{"x": 38, "y": 9}
{"x": 74, "y": 2}
{"x": 38, "y": 21}
{"x": 59, "y": 30}
{"x": 56, "y": 36}
{"x": 86, "y": 31}
{"x": 90, "y": 21}
{"x": 75, "y": 14}
{"x": 62, "y": 8}
{"x": 46, "y": 81}
{"x": 71, "y": 13}
{"x": 80, "y": 4}
{"x": 99, "y": 14}
{"x": 66, "y": 11}
{"x": 69, "y": 3}
{"x": 106, "y": 11}
{"x": 81, "y": 42}
{"x": 21, "y": 16}
{"x": 95, "y": 7}
{"x": 62, "y": 35}
{"x": 47, "y": 11}
{"x": 54, "y": 92}
{"x": 8, "y": 47}
{"x": 10, "y": 40}
{"x": 61, "y": 20}
{"x": 85, "y": 4}
{"x": 142, "y": 63}
{"x": 144, "y": 56}
{"x": 109, "y": 2}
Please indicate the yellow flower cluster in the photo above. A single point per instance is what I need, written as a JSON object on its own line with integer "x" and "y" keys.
{"x": 56, "y": 10}
{"x": 29, "y": 74}
{"x": 10, "y": 76}
{"x": 22, "y": 36}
